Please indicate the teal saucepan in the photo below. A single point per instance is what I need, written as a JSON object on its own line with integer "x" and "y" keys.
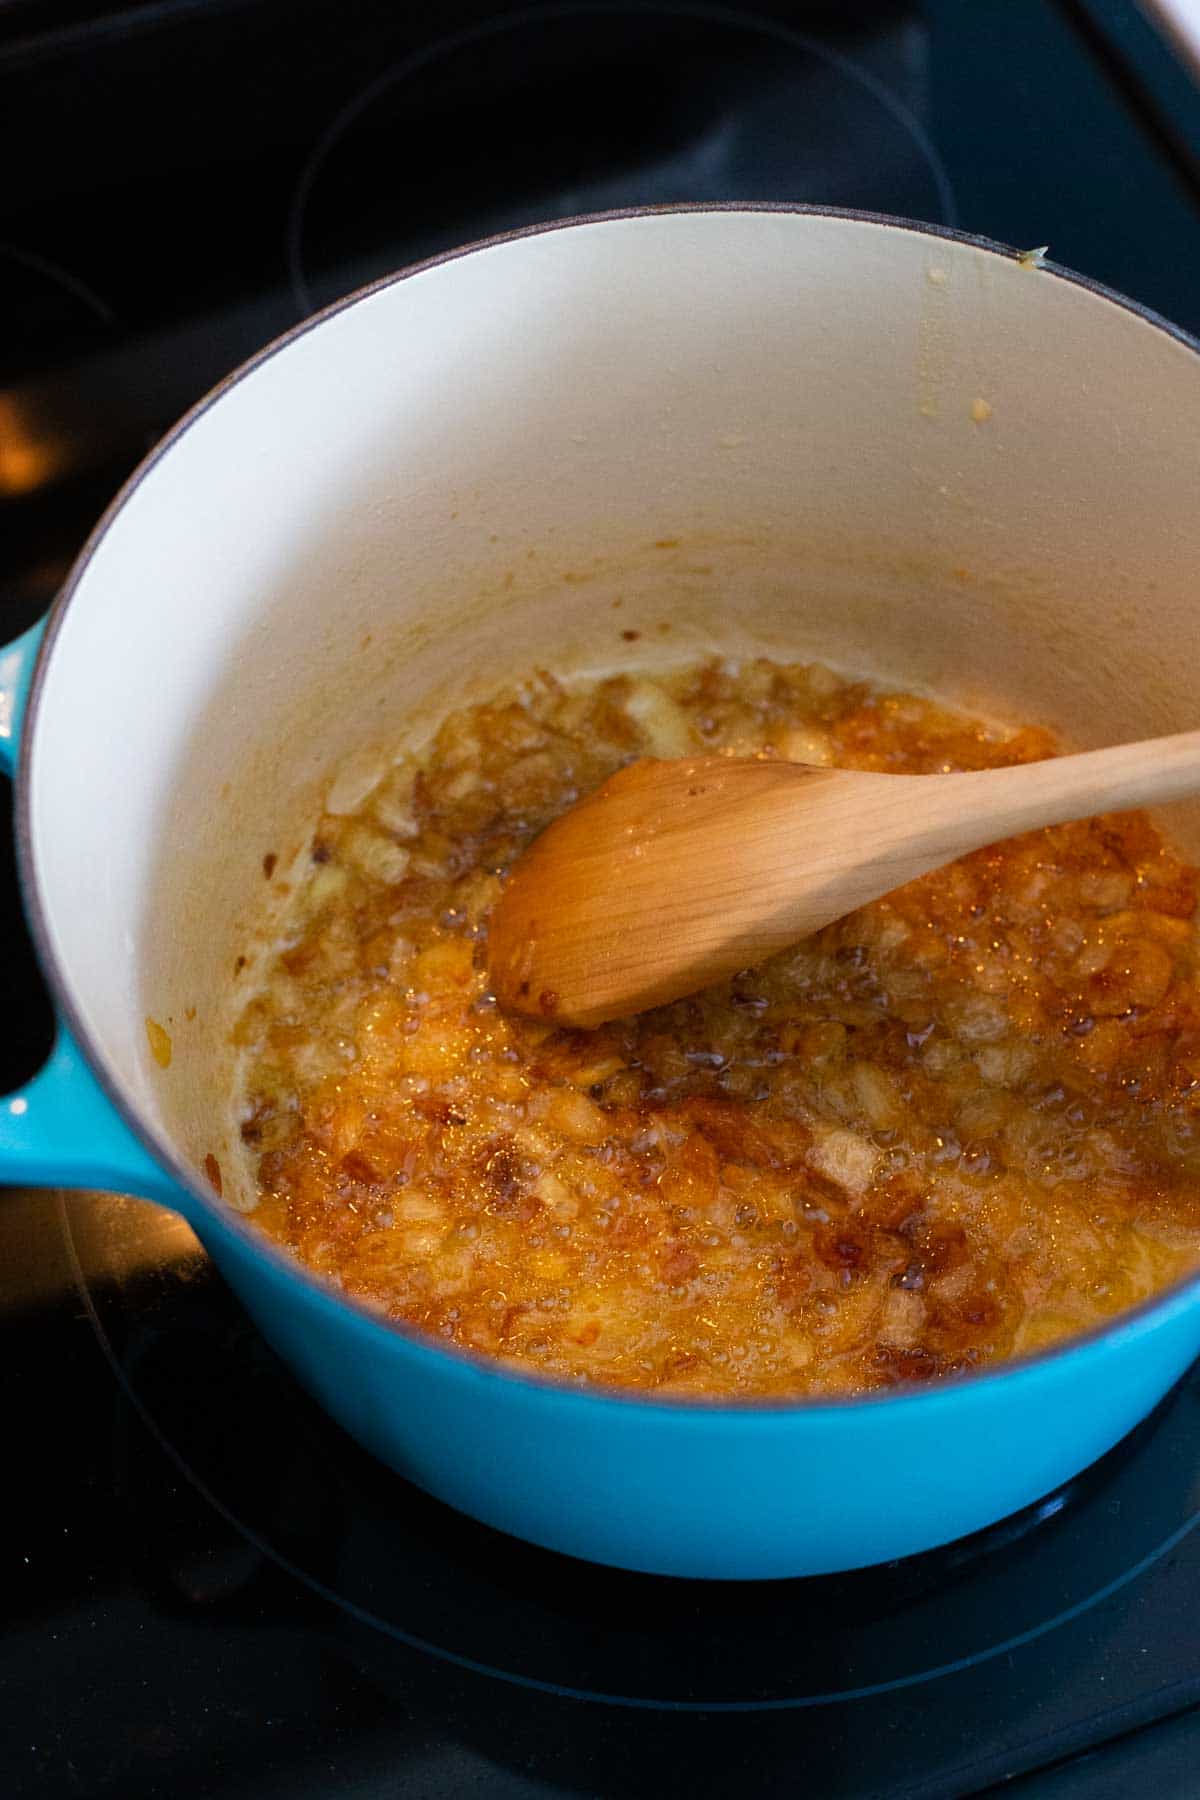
{"x": 809, "y": 433}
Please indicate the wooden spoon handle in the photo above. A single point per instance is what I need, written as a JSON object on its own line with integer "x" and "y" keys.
{"x": 899, "y": 827}
{"x": 1005, "y": 802}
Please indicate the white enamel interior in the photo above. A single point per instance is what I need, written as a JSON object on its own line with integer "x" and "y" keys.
{"x": 754, "y": 427}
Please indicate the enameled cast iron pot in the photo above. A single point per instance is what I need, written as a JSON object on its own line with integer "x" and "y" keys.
{"x": 801, "y": 432}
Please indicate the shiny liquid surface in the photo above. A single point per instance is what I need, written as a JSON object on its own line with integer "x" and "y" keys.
{"x": 956, "y": 1126}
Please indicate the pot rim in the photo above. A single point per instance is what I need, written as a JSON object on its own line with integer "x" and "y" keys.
{"x": 737, "y": 1413}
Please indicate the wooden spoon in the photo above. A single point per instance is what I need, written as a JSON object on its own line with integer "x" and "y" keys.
{"x": 674, "y": 875}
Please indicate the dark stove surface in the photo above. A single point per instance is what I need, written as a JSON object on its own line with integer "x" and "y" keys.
{"x": 211, "y": 1591}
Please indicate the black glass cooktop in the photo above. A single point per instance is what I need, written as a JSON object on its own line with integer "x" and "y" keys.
{"x": 211, "y": 1591}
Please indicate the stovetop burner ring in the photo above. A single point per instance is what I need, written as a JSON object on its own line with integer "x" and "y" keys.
{"x": 697, "y": 11}
{"x": 63, "y": 278}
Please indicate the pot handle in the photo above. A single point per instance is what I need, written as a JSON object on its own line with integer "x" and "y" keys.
{"x": 16, "y": 673}
{"x": 61, "y": 1129}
